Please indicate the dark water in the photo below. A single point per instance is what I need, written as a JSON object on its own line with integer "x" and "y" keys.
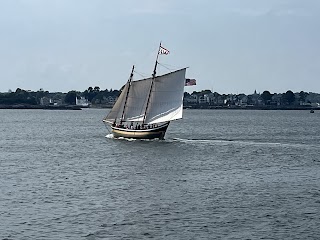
{"x": 218, "y": 175}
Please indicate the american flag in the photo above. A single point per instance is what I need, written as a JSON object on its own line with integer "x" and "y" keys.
{"x": 163, "y": 50}
{"x": 190, "y": 82}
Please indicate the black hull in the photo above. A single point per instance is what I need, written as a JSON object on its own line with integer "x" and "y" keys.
{"x": 152, "y": 133}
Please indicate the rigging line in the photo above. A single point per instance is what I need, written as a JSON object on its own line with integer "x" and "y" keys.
{"x": 142, "y": 75}
{"x": 168, "y": 65}
{"x": 107, "y": 128}
{"x": 165, "y": 66}
{"x": 172, "y": 66}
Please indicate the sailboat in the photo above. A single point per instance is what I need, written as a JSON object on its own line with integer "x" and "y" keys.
{"x": 145, "y": 107}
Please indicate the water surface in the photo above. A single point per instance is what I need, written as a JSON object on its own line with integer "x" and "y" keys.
{"x": 219, "y": 174}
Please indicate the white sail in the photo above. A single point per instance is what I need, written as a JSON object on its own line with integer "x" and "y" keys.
{"x": 137, "y": 100}
{"x": 148, "y": 101}
{"x": 165, "y": 103}
{"x": 166, "y": 100}
{"x": 116, "y": 111}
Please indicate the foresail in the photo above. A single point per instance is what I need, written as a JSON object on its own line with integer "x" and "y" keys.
{"x": 166, "y": 100}
{"x": 137, "y": 100}
{"x": 116, "y": 111}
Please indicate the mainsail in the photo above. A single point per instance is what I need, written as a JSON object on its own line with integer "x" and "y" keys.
{"x": 165, "y": 102}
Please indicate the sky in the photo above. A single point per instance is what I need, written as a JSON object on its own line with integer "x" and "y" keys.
{"x": 230, "y": 46}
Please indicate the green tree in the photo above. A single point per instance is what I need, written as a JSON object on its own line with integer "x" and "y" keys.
{"x": 207, "y": 91}
{"x": 302, "y": 96}
{"x": 266, "y": 97}
{"x": 96, "y": 89}
{"x": 70, "y": 97}
{"x": 115, "y": 93}
{"x": 91, "y": 93}
{"x": 288, "y": 97}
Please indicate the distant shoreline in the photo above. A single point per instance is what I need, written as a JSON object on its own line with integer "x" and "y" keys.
{"x": 50, "y": 107}
{"x": 76, "y": 107}
{"x": 252, "y": 107}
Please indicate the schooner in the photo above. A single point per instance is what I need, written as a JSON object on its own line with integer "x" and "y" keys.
{"x": 145, "y": 107}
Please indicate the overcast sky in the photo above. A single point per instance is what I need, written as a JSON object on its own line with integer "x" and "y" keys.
{"x": 231, "y": 46}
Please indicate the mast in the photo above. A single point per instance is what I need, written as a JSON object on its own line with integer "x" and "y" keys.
{"x": 152, "y": 81}
{"x": 125, "y": 102}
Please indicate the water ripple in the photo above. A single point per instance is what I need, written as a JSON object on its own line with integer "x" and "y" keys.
{"x": 246, "y": 175}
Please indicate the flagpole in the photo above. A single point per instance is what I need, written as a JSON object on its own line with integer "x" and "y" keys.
{"x": 156, "y": 63}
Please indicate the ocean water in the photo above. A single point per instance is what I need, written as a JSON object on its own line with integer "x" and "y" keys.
{"x": 220, "y": 174}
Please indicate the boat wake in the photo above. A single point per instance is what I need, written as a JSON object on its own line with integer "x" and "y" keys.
{"x": 201, "y": 141}
{"x": 239, "y": 142}
{"x": 109, "y": 136}
{"x": 214, "y": 142}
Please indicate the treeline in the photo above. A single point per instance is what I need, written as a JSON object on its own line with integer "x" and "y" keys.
{"x": 21, "y": 96}
{"x": 95, "y": 95}
{"x": 266, "y": 98}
